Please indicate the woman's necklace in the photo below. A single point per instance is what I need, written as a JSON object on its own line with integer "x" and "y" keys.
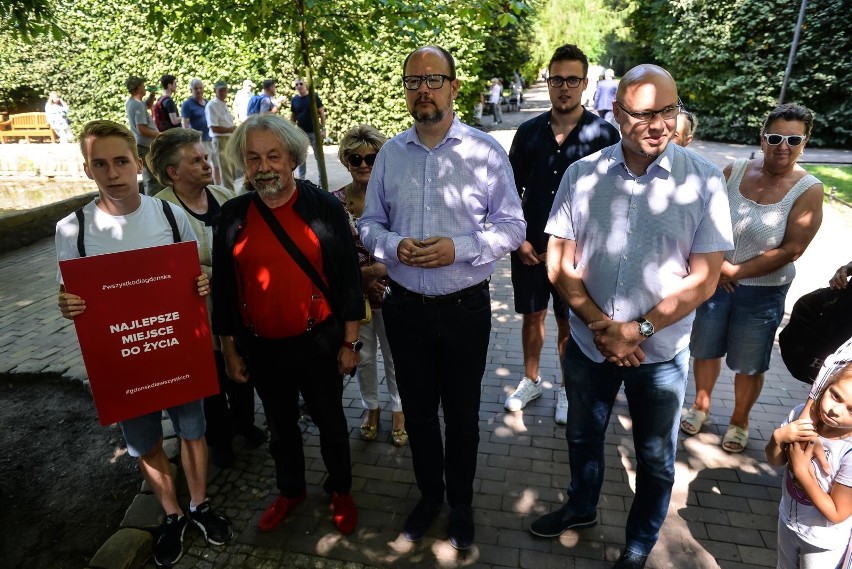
{"x": 354, "y": 202}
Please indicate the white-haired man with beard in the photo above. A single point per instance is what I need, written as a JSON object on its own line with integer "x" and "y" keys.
{"x": 432, "y": 190}
{"x": 287, "y": 309}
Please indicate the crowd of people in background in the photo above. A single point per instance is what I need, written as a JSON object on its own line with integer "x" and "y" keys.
{"x": 310, "y": 285}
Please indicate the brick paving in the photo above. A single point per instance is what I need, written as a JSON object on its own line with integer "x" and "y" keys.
{"x": 723, "y": 511}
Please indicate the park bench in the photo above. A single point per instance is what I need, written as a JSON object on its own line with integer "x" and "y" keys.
{"x": 26, "y": 125}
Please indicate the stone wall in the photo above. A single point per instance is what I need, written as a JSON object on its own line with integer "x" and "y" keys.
{"x": 63, "y": 160}
{"x": 19, "y": 229}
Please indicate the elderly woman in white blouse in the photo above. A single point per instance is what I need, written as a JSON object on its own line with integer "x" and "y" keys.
{"x": 776, "y": 209}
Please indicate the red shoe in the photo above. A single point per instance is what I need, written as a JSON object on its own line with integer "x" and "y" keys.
{"x": 345, "y": 513}
{"x": 277, "y": 511}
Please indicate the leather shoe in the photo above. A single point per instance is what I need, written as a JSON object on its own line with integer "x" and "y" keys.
{"x": 222, "y": 456}
{"x": 630, "y": 560}
{"x": 253, "y": 435}
{"x": 345, "y": 513}
{"x": 420, "y": 519}
{"x": 277, "y": 511}
{"x": 460, "y": 529}
{"x": 556, "y": 523}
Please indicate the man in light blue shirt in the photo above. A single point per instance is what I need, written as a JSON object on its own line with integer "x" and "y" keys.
{"x": 441, "y": 209}
{"x": 638, "y": 231}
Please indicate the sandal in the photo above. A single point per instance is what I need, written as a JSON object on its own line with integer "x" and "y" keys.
{"x": 692, "y": 421}
{"x": 399, "y": 438}
{"x": 735, "y": 436}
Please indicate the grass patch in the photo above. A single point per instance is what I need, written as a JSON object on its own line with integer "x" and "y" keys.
{"x": 837, "y": 177}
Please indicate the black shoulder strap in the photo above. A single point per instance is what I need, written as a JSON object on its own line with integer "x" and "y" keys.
{"x": 81, "y": 219}
{"x": 170, "y": 215}
{"x": 291, "y": 248}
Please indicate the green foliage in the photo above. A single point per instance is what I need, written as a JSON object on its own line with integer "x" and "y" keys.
{"x": 729, "y": 58}
{"x": 585, "y": 23}
{"x": 355, "y": 50}
{"x": 29, "y": 19}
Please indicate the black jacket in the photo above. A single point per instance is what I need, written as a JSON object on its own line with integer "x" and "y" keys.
{"x": 327, "y": 219}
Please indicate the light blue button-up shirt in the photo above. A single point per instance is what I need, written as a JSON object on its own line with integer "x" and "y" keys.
{"x": 634, "y": 235}
{"x": 463, "y": 188}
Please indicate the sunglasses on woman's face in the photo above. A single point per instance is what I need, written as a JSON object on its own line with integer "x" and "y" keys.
{"x": 792, "y": 140}
{"x": 356, "y": 159}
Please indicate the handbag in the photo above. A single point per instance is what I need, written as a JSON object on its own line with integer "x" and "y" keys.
{"x": 369, "y": 316}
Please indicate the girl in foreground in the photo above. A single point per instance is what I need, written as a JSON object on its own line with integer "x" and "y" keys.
{"x": 814, "y": 516}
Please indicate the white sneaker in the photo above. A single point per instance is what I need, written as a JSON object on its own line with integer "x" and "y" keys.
{"x": 527, "y": 391}
{"x": 561, "y": 416}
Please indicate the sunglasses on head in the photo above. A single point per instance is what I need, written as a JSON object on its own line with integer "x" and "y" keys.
{"x": 791, "y": 139}
{"x": 356, "y": 159}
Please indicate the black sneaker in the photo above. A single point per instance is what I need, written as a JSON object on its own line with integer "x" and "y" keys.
{"x": 215, "y": 526}
{"x": 630, "y": 560}
{"x": 169, "y": 547}
{"x": 555, "y": 523}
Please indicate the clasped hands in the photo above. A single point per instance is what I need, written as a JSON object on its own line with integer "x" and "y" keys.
{"x": 426, "y": 253}
{"x": 618, "y": 342}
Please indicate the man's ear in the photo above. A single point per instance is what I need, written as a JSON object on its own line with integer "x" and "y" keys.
{"x": 87, "y": 171}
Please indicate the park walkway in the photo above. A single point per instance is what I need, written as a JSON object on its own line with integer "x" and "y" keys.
{"x": 723, "y": 511}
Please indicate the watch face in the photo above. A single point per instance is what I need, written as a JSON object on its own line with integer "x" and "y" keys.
{"x": 646, "y": 328}
{"x": 357, "y": 345}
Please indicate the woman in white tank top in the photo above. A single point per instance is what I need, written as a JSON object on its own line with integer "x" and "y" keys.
{"x": 776, "y": 209}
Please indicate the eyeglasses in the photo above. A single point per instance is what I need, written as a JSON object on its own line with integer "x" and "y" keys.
{"x": 556, "y": 81}
{"x": 356, "y": 159}
{"x": 667, "y": 113}
{"x": 433, "y": 81}
{"x": 792, "y": 140}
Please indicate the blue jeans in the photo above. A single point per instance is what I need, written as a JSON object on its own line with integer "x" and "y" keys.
{"x": 302, "y": 168}
{"x": 654, "y": 396}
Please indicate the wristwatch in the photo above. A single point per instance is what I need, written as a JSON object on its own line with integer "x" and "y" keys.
{"x": 646, "y": 327}
{"x": 354, "y": 346}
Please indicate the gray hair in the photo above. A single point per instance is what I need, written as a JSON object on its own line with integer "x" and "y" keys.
{"x": 194, "y": 82}
{"x": 166, "y": 149}
{"x": 358, "y": 136}
{"x": 294, "y": 140}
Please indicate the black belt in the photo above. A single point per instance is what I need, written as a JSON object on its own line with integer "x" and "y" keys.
{"x": 400, "y": 290}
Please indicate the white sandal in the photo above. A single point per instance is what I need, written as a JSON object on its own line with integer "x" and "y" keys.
{"x": 692, "y": 421}
{"x": 735, "y": 435}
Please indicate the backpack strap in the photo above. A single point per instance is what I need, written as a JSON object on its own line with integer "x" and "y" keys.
{"x": 170, "y": 215}
{"x": 81, "y": 218}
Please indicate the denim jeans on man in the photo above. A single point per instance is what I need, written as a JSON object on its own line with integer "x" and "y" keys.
{"x": 439, "y": 351}
{"x": 654, "y": 395}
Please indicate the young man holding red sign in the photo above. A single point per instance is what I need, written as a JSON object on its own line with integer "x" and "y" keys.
{"x": 121, "y": 219}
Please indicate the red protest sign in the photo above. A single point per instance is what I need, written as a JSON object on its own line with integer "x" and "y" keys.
{"x": 144, "y": 335}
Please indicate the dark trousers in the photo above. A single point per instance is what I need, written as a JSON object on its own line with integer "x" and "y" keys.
{"x": 439, "y": 351}
{"x": 231, "y": 410}
{"x": 306, "y": 364}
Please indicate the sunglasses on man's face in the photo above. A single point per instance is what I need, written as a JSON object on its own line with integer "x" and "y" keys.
{"x": 356, "y": 159}
{"x": 792, "y": 140}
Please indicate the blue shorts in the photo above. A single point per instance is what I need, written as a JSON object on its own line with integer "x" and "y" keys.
{"x": 142, "y": 433}
{"x": 741, "y": 324}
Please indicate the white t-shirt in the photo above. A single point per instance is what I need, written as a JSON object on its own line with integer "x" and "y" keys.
{"x": 105, "y": 233}
{"x": 797, "y": 511}
{"x": 217, "y": 114}
{"x": 496, "y": 93}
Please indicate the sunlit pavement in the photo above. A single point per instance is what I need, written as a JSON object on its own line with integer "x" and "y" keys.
{"x": 723, "y": 511}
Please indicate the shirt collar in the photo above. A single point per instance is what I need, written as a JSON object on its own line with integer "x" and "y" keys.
{"x": 663, "y": 161}
{"x": 455, "y": 132}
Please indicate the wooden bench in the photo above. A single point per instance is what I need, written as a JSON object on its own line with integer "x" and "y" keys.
{"x": 26, "y": 125}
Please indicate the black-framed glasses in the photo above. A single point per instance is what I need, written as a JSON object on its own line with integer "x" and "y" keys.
{"x": 792, "y": 140}
{"x": 556, "y": 81}
{"x": 356, "y": 159}
{"x": 433, "y": 81}
{"x": 666, "y": 113}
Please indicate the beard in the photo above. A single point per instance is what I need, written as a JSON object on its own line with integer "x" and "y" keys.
{"x": 268, "y": 184}
{"x": 426, "y": 117}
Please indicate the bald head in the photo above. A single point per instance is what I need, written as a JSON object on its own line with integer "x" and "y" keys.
{"x": 436, "y": 49}
{"x": 645, "y": 74}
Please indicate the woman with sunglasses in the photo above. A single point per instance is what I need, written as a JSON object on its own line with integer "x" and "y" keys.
{"x": 776, "y": 209}
{"x": 357, "y": 152}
